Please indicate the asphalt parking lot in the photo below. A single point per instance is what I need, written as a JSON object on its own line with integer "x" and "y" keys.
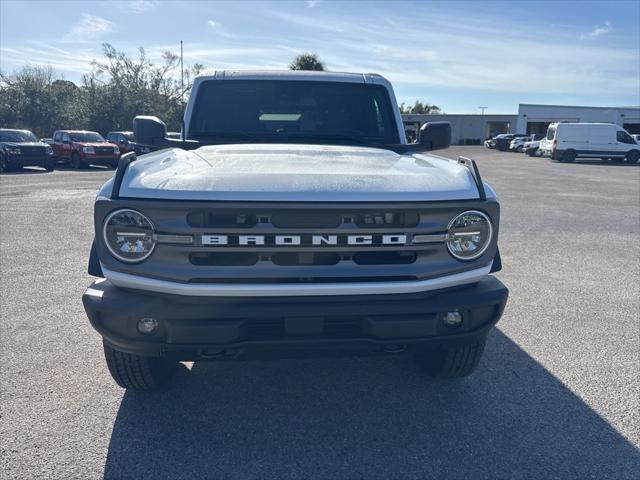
{"x": 557, "y": 394}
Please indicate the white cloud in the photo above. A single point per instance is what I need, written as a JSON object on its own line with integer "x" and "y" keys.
{"x": 312, "y": 3}
{"x": 142, "y": 6}
{"x": 598, "y": 31}
{"x": 212, "y": 23}
{"x": 89, "y": 27}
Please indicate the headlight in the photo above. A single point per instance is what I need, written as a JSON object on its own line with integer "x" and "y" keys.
{"x": 116, "y": 150}
{"x": 469, "y": 235}
{"x": 14, "y": 151}
{"x": 128, "y": 235}
{"x": 88, "y": 150}
{"x": 48, "y": 150}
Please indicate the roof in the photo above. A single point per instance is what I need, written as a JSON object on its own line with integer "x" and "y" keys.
{"x": 290, "y": 75}
{"x": 75, "y": 131}
{"x": 578, "y": 106}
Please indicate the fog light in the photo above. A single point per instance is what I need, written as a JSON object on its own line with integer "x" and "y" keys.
{"x": 453, "y": 319}
{"x": 147, "y": 326}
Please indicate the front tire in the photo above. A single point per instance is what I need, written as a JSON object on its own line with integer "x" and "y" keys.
{"x": 568, "y": 157}
{"x": 48, "y": 165}
{"x": 451, "y": 362}
{"x": 136, "y": 372}
{"x": 76, "y": 161}
{"x": 520, "y": 149}
{"x": 632, "y": 157}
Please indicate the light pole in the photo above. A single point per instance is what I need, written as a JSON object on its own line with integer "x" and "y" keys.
{"x": 482, "y": 109}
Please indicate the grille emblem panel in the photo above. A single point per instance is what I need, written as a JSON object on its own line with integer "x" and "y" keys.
{"x": 304, "y": 240}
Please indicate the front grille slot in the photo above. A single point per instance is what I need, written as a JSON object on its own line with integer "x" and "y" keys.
{"x": 305, "y": 220}
{"x": 384, "y": 258}
{"x": 287, "y": 259}
{"x": 103, "y": 149}
{"x": 206, "y": 219}
{"x": 387, "y": 219}
{"x": 227, "y": 259}
{"x": 302, "y": 280}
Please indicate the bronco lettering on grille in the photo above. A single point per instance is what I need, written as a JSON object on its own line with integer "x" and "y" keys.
{"x": 304, "y": 240}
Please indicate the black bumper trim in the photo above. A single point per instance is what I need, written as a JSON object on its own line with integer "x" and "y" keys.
{"x": 192, "y": 326}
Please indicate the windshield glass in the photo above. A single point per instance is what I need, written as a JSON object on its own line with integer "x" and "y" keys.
{"x": 86, "y": 137}
{"x": 17, "y": 136}
{"x": 129, "y": 136}
{"x": 291, "y": 111}
{"x": 551, "y": 132}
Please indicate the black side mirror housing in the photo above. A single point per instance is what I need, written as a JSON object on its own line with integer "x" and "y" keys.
{"x": 149, "y": 130}
{"x": 435, "y": 135}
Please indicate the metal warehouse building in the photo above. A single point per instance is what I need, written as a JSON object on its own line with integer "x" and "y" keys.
{"x": 531, "y": 118}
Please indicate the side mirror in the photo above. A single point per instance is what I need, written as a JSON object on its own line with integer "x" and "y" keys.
{"x": 435, "y": 135}
{"x": 149, "y": 130}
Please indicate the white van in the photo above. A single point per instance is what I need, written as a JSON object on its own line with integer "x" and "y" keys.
{"x": 568, "y": 141}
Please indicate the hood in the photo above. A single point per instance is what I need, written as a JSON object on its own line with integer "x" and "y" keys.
{"x": 285, "y": 172}
{"x": 24, "y": 144}
{"x": 95, "y": 144}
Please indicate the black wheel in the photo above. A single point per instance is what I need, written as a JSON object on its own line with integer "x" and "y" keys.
{"x": 137, "y": 372}
{"x": 520, "y": 149}
{"x": 48, "y": 165}
{"x": 76, "y": 161}
{"x": 4, "y": 166}
{"x": 632, "y": 157}
{"x": 113, "y": 164}
{"x": 451, "y": 362}
{"x": 568, "y": 157}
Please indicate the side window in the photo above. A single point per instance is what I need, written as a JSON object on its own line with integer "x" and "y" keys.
{"x": 624, "y": 137}
{"x": 121, "y": 139}
{"x": 65, "y": 138}
{"x": 111, "y": 138}
{"x": 57, "y": 138}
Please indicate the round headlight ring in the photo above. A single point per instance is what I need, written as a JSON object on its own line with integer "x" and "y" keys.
{"x": 135, "y": 241}
{"x": 483, "y": 247}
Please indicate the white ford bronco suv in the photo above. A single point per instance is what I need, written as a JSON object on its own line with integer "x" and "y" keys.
{"x": 292, "y": 219}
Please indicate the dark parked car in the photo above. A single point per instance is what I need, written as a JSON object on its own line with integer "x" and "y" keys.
{"x": 126, "y": 142}
{"x": 503, "y": 142}
{"x": 21, "y": 148}
{"x": 79, "y": 148}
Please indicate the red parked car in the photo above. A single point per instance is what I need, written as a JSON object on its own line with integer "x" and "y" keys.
{"x": 80, "y": 148}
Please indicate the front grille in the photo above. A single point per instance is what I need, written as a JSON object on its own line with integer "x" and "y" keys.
{"x": 33, "y": 152}
{"x": 266, "y": 243}
{"x": 103, "y": 150}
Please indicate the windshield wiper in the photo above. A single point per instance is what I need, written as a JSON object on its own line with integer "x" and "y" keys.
{"x": 228, "y": 135}
{"x": 337, "y": 138}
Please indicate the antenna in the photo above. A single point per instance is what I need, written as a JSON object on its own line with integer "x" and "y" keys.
{"x": 483, "y": 109}
{"x": 181, "y": 73}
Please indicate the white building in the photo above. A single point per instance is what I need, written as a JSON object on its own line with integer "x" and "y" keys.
{"x": 536, "y": 118}
{"x": 531, "y": 118}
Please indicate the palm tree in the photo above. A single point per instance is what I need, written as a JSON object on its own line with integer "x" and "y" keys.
{"x": 307, "y": 61}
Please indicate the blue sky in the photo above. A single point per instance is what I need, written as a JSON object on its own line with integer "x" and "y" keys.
{"x": 458, "y": 55}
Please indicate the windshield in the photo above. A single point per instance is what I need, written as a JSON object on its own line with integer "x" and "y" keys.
{"x": 551, "y": 132}
{"x": 20, "y": 136}
{"x": 290, "y": 111}
{"x": 86, "y": 137}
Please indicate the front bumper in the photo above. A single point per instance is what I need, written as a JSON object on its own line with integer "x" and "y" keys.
{"x": 29, "y": 160}
{"x": 201, "y": 328}
{"x": 97, "y": 159}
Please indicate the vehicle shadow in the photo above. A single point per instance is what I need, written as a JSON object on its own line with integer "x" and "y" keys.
{"x": 366, "y": 418}
{"x": 25, "y": 171}
{"x": 88, "y": 168}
